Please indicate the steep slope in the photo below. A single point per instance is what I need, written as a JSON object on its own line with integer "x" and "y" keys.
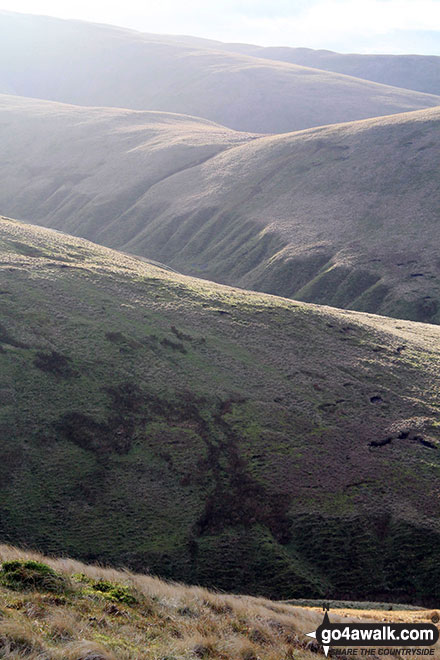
{"x": 343, "y": 215}
{"x": 93, "y": 65}
{"x": 213, "y": 435}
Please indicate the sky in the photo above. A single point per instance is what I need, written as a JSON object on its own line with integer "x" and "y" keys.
{"x": 363, "y": 26}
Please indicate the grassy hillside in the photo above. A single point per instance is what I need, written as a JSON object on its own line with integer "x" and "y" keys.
{"x": 95, "y": 65}
{"x": 417, "y": 72}
{"x": 89, "y": 166}
{"x": 212, "y": 435}
{"x": 102, "y": 614}
{"x": 343, "y": 215}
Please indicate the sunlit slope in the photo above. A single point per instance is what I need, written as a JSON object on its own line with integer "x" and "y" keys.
{"x": 420, "y": 73}
{"x": 344, "y": 215}
{"x": 82, "y": 168}
{"x": 417, "y": 72}
{"x": 95, "y": 65}
{"x": 145, "y": 618}
{"x": 213, "y": 435}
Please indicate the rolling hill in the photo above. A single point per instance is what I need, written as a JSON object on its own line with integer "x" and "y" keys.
{"x": 90, "y": 165}
{"x": 97, "y": 65}
{"x": 417, "y": 72}
{"x": 212, "y": 435}
{"x": 344, "y": 215}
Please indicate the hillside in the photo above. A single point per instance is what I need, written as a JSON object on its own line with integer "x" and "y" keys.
{"x": 96, "y": 65}
{"x": 82, "y": 168}
{"x": 343, "y": 215}
{"x": 212, "y": 435}
{"x": 417, "y": 72}
{"x": 340, "y": 215}
{"x": 104, "y": 614}
{"x": 72, "y": 162}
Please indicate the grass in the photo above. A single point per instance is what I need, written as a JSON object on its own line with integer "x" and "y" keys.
{"x": 198, "y": 79}
{"x": 291, "y": 215}
{"x": 300, "y": 222}
{"x": 150, "y": 619}
{"x": 259, "y": 425}
{"x": 30, "y": 574}
{"x": 153, "y": 619}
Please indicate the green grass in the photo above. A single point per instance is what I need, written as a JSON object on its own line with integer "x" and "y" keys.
{"x": 31, "y": 575}
{"x": 246, "y": 448}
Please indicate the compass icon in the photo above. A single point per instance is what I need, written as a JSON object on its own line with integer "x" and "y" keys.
{"x": 326, "y": 622}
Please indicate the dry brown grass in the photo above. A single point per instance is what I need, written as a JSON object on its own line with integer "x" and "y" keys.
{"x": 171, "y": 621}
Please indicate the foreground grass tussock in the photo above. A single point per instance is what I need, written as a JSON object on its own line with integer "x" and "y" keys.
{"x": 104, "y": 614}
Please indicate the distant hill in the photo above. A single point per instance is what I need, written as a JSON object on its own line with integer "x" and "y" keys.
{"x": 63, "y": 161}
{"x": 345, "y": 215}
{"x": 98, "y": 65}
{"x": 212, "y": 435}
{"x": 417, "y": 72}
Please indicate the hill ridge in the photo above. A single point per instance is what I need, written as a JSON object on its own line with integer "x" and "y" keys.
{"x": 307, "y": 214}
{"x": 184, "y": 78}
{"x": 405, "y": 70}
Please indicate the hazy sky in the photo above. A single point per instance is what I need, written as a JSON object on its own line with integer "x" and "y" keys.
{"x": 393, "y": 26}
